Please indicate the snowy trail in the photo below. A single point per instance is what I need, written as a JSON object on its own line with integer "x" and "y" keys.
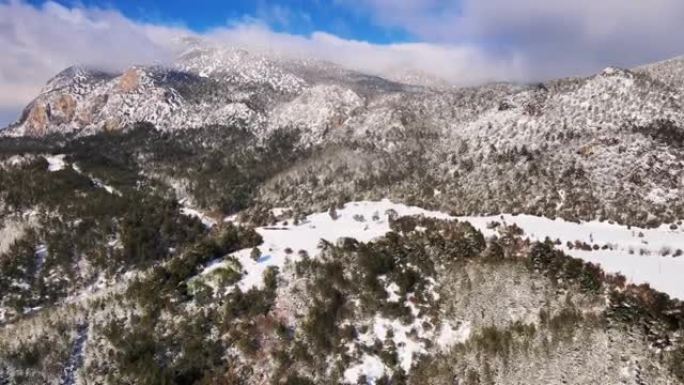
{"x": 97, "y": 182}
{"x": 367, "y": 220}
{"x": 75, "y": 360}
{"x": 186, "y": 209}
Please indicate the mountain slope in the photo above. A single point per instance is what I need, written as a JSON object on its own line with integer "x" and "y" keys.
{"x": 606, "y": 146}
{"x": 239, "y": 218}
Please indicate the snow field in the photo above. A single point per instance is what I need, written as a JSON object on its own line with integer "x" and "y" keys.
{"x": 634, "y": 252}
{"x": 282, "y": 242}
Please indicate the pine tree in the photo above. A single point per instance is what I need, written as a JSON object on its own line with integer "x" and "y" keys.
{"x": 333, "y": 213}
{"x": 255, "y": 254}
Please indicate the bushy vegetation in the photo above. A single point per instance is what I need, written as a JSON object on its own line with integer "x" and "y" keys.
{"x": 663, "y": 130}
{"x": 168, "y": 339}
{"x": 554, "y": 264}
{"x": 141, "y": 224}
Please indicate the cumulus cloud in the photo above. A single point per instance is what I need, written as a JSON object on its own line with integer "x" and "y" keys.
{"x": 552, "y": 37}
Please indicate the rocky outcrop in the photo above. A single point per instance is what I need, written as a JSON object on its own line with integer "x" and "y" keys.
{"x": 112, "y": 124}
{"x": 63, "y": 109}
{"x": 36, "y": 123}
{"x": 129, "y": 81}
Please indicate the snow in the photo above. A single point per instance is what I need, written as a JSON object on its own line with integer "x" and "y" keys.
{"x": 609, "y": 71}
{"x": 41, "y": 254}
{"x": 55, "y": 162}
{"x": 408, "y": 347}
{"x": 409, "y": 341}
{"x": 102, "y": 185}
{"x": 392, "y": 290}
{"x": 278, "y": 211}
{"x": 76, "y": 357}
{"x": 308, "y": 233}
{"x": 661, "y": 273}
{"x": 590, "y": 232}
{"x": 206, "y": 220}
{"x": 660, "y": 196}
{"x": 448, "y": 336}
{"x": 635, "y": 252}
{"x": 97, "y": 182}
{"x": 283, "y": 242}
{"x": 317, "y": 108}
{"x": 371, "y": 366}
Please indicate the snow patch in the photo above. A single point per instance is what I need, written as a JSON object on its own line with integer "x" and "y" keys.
{"x": 392, "y": 292}
{"x": 371, "y": 366}
{"x": 660, "y": 196}
{"x": 206, "y": 220}
{"x": 41, "y": 254}
{"x": 283, "y": 242}
{"x": 55, "y": 162}
{"x": 97, "y": 182}
{"x": 641, "y": 255}
{"x": 448, "y": 336}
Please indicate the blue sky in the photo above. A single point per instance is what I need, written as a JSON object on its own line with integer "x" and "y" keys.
{"x": 300, "y": 17}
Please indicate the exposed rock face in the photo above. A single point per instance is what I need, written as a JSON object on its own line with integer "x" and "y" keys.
{"x": 37, "y": 121}
{"x": 57, "y": 110}
{"x": 129, "y": 81}
{"x": 63, "y": 109}
{"x": 112, "y": 124}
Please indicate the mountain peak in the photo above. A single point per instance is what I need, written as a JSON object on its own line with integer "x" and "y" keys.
{"x": 615, "y": 71}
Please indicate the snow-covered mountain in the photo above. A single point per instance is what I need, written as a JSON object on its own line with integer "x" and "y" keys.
{"x": 204, "y": 86}
{"x": 243, "y": 218}
{"x": 210, "y": 85}
{"x": 607, "y": 145}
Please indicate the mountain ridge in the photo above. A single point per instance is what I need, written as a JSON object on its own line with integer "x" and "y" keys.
{"x": 605, "y": 146}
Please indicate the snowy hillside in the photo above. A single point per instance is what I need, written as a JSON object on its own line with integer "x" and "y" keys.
{"x": 242, "y": 218}
{"x": 605, "y": 146}
{"x": 653, "y": 256}
{"x": 286, "y": 244}
{"x": 363, "y": 221}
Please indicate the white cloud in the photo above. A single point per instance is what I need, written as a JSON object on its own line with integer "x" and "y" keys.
{"x": 462, "y": 64}
{"x": 553, "y": 37}
{"x": 281, "y": 16}
{"x": 39, "y": 42}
